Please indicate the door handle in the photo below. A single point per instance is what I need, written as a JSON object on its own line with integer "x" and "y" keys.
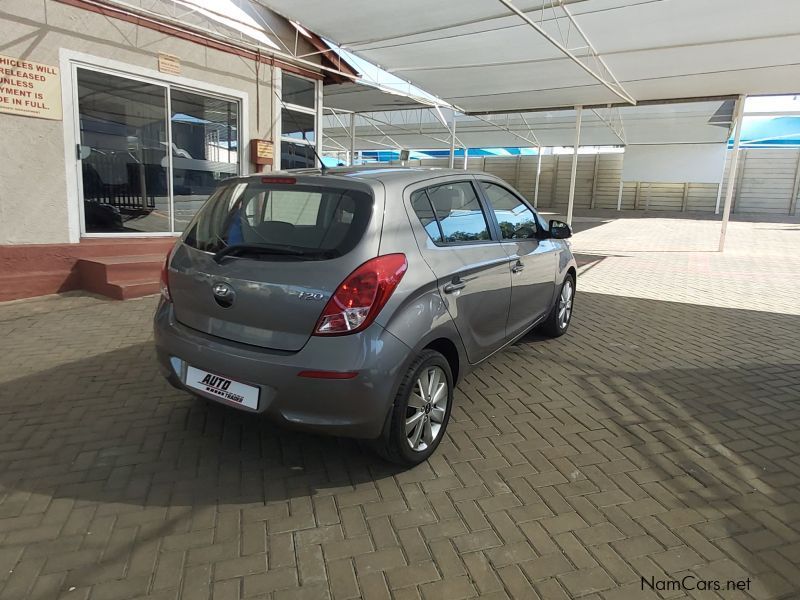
{"x": 517, "y": 267}
{"x": 454, "y": 286}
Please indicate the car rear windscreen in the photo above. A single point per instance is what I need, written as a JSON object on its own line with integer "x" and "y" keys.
{"x": 313, "y": 221}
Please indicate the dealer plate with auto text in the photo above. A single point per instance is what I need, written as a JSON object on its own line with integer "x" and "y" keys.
{"x": 222, "y": 387}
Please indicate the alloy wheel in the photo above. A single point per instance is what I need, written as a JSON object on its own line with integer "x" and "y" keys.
{"x": 427, "y": 407}
{"x": 565, "y": 304}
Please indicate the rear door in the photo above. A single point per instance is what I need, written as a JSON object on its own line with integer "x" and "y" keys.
{"x": 471, "y": 267}
{"x": 307, "y": 235}
{"x": 533, "y": 256}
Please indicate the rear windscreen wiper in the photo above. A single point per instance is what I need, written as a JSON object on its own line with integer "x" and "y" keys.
{"x": 258, "y": 249}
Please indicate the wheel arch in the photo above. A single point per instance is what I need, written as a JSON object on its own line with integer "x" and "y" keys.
{"x": 449, "y": 350}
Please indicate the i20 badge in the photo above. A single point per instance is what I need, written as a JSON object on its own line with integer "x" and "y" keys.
{"x": 310, "y": 295}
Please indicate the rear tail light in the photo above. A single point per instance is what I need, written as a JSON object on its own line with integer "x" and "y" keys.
{"x": 361, "y": 296}
{"x": 165, "y": 278}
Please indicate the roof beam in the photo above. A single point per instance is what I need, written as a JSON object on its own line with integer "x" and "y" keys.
{"x": 403, "y": 129}
{"x": 613, "y": 122}
{"x": 532, "y": 142}
{"x": 605, "y": 77}
{"x": 654, "y": 102}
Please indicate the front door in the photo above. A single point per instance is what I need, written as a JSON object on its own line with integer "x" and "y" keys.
{"x": 472, "y": 270}
{"x": 533, "y": 258}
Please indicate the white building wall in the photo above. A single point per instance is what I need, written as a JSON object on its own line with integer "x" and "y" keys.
{"x": 33, "y": 165}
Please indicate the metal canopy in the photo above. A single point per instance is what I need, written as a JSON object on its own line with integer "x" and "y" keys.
{"x": 674, "y": 123}
{"x": 481, "y": 56}
{"x": 358, "y": 97}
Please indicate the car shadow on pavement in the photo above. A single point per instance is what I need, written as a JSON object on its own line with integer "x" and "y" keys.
{"x": 110, "y": 429}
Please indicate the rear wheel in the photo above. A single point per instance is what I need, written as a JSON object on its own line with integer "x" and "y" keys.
{"x": 421, "y": 411}
{"x": 559, "y": 318}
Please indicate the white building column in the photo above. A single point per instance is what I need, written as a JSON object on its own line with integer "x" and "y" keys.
{"x": 466, "y": 157}
{"x": 571, "y": 201}
{"x": 453, "y": 141}
{"x": 318, "y": 133}
{"x": 721, "y": 180}
{"x": 538, "y": 174}
{"x": 352, "y": 139}
{"x": 726, "y": 211}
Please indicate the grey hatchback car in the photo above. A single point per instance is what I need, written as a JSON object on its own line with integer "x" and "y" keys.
{"x": 352, "y": 301}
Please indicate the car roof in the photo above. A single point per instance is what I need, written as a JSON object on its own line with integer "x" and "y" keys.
{"x": 383, "y": 173}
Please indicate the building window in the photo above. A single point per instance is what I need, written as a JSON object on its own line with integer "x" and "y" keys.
{"x": 205, "y": 149}
{"x": 298, "y": 122}
{"x": 150, "y": 153}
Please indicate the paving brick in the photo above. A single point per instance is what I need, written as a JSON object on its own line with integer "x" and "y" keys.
{"x": 456, "y": 588}
{"x": 508, "y": 554}
{"x": 481, "y": 540}
{"x": 482, "y": 574}
{"x": 678, "y": 559}
{"x": 380, "y": 560}
{"x": 414, "y": 547}
{"x": 547, "y": 566}
{"x": 602, "y": 533}
{"x": 585, "y": 581}
{"x": 269, "y": 581}
{"x": 342, "y": 579}
{"x": 412, "y": 575}
{"x": 347, "y": 548}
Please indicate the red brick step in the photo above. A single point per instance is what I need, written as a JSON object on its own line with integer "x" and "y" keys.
{"x": 121, "y": 277}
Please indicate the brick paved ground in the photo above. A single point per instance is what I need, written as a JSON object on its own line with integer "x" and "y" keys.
{"x": 660, "y": 438}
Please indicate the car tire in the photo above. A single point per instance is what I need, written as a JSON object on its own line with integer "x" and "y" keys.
{"x": 560, "y": 316}
{"x": 417, "y": 421}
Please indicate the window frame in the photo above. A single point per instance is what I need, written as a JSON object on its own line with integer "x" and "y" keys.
{"x": 540, "y": 226}
{"x": 284, "y": 105}
{"x": 70, "y": 63}
{"x": 491, "y": 226}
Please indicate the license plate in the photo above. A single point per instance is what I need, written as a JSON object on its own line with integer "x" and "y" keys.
{"x": 222, "y": 387}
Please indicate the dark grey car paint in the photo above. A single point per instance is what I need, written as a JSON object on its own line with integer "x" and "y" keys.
{"x": 266, "y": 340}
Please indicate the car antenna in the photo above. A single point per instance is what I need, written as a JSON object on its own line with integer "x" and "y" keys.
{"x": 322, "y": 168}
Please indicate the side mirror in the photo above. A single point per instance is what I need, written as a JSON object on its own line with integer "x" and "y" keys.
{"x": 560, "y": 230}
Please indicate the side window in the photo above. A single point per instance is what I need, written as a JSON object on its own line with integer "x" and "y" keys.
{"x": 516, "y": 220}
{"x": 458, "y": 211}
{"x": 422, "y": 207}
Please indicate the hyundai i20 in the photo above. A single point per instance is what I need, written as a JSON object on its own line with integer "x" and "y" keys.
{"x": 352, "y": 301}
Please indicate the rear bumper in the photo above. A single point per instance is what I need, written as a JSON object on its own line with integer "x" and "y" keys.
{"x": 354, "y": 407}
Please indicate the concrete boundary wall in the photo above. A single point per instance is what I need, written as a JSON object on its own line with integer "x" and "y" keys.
{"x": 768, "y": 182}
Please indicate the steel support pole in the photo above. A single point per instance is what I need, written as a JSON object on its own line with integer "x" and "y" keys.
{"x": 619, "y": 195}
{"x": 573, "y": 174}
{"x": 453, "y": 140}
{"x": 352, "y": 139}
{"x": 721, "y": 179}
{"x": 318, "y": 132}
{"x": 538, "y": 174}
{"x": 466, "y": 157}
{"x": 726, "y": 211}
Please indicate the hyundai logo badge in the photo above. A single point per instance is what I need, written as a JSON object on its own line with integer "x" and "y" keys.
{"x": 224, "y": 294}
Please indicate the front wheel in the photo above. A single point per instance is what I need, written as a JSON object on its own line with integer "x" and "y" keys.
{"x": 420, "y": 412}
{"x": 558, "y": 320}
